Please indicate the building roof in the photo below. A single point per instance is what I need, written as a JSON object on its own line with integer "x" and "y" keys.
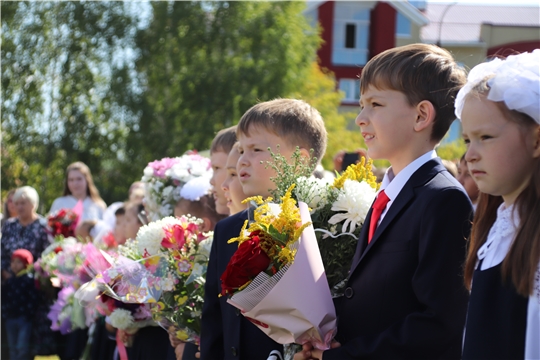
{"x": 461, "y": 24}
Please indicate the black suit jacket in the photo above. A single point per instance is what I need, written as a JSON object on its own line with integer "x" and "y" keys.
{"x": 225, "y": 333}
{"x": 405, "y": 296}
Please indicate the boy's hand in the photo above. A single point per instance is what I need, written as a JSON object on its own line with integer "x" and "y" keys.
{"x": 309, "y": 352}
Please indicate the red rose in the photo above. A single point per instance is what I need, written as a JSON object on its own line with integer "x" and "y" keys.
{"x": 246, "y": 263}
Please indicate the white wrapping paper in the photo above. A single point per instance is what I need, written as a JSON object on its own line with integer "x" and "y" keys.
{"x": 294, "y": 305}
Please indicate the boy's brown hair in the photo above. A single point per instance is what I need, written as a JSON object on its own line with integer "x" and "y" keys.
{"x": 295, "y": 121}
{"x": 420, "y": 72}
{"x": 224, "y": 140}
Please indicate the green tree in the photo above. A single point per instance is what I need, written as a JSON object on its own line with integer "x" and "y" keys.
{"x": 203, "y": 65}
{"x": 57, "y": 106}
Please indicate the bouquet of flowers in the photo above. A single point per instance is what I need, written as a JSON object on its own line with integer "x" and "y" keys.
{"x": 62, "y": 259}
{"x": 66, "y": 314}
{"x": 186, "y": 249}
{"x": 63, "y": 223}
{"x": 277, "y": 252}
{"x": 338, "y": 213}
{"x": 169, "y": 179}
{"x": 338, "y": 209}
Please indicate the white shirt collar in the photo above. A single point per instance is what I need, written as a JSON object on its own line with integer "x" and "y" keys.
{"x": 500, "y": 237}
{"x": 392, "y": 184}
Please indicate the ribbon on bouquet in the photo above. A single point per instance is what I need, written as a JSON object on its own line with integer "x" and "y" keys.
{"x": 326, "y": 232}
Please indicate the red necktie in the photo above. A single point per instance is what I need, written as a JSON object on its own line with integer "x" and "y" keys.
{"x": 378, "y": 207}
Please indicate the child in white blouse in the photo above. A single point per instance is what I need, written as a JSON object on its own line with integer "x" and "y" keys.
{"x": 500, "y": 112}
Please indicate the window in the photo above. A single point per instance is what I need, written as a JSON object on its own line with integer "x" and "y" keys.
{"x": 351, "y": 32}
{"x": 403, "y": 25}
{"x": 350, "y": 36}
{"x": 351, "y": 88}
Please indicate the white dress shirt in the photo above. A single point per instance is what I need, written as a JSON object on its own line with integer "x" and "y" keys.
{"x": 392, "y": 184}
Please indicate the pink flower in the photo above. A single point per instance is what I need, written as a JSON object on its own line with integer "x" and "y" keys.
{"x": 161, "y": 166}
{"x": 174, "y": 237}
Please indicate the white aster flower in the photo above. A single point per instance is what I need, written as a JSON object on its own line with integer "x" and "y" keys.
{"x": 355, "y": 200}
{"x": 121, "y": 319}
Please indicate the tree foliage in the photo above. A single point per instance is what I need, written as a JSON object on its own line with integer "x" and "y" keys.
{"x": 203, "y": 65}
{"x": 57, "y": 61}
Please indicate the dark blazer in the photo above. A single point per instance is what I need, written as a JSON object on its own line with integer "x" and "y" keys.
{"x": 225, "y": 333}
{"x": 405, "y": 297}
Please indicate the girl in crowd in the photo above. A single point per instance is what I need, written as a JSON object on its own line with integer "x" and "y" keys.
{"x": 79, "y": 185}
{"x": 231, "y": 186}
{"x": 500, "y": 112}
{"x": 465, "y": 179}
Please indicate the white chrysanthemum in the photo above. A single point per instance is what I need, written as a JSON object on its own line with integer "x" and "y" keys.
{"x": 312, "y": 191}
{"x": 149, "y": 238}
{"x": 195, "y": 188}
{"x": 121, "y": 319}
{"x": 355, "y": 200}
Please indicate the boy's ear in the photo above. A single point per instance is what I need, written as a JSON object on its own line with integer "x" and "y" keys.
{"x": 425, "y": 115}
{"x": 304, "y": 153}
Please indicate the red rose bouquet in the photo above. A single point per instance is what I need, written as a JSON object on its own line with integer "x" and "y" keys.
{"x": 63, "y": 223}
{"x": 277, "y": 252}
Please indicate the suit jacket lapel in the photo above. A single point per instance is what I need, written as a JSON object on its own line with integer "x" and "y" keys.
{"x": 419, "y": 178}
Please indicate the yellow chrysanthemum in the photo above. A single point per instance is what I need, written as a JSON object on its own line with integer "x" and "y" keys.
{"x": 358, "y": 172}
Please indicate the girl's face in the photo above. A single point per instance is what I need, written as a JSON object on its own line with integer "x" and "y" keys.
{"x": 232, "y": 186}
{"x": 500, "y": 153}
{"x": 465, "y": 179}
{"x": 77, "y": 184}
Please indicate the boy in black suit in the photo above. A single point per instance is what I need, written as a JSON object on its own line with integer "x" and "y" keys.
{"x": 405, "y": 296}
{"x": 285, "y": 122}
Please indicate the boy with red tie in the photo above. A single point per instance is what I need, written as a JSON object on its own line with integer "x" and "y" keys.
{"x": 405, "y": 296}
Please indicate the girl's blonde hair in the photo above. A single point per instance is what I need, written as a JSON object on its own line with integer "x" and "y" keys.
{"x": 521, "y": 262}
{"x": 91, "y": 189}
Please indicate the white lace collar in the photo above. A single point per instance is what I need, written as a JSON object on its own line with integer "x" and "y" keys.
{"x": 500, "y": 238}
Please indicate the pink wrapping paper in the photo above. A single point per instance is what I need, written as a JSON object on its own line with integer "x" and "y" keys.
{"x": 295, "y": 305}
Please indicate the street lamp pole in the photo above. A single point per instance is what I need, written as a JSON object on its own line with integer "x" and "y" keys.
{"x": 441, "y": 21}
